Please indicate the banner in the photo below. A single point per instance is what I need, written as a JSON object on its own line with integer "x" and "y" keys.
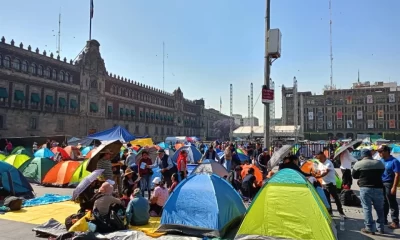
{"x": 370, "y": 99}
{"x": 392, "y": 123}
{"x": 339, "y": 115}
{"x": 349, "y": 123}
{"x": 392, "y": 99}
{"x": 359, "y": 114}
{"x": 310, "y": 115}
{"x": 349, "y": 100}
{"x": 380, "y": 114}
{"x": 329, "y": 125}
{"x": 370, "y": 123}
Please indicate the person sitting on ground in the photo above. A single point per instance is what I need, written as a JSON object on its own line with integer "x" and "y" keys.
{"x": 130, "y": 181}
{"x": 159, "y": 197}
{"x": 235, "y": 177}
{"x": 137, "y": 212}
{"x": 105, "y": 199}
{"x": 175, "y": 182}
{"x": 249, "y": 184}
{"x": 125, "y": 199}
{"x": 293, "y": 163}
{"x": 86, "y": 198}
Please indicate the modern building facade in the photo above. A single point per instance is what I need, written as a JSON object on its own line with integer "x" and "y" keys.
{"x": 364, "y": 109}
{"x": 42, "y": 95}
{"x": 238, "y": 118}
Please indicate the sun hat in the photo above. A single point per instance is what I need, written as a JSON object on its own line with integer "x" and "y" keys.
{"x": 128, "y": 171}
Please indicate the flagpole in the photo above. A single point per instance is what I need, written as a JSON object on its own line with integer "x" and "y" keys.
{"x": 90, "y": 17}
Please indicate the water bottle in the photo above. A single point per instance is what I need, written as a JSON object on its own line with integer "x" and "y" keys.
{"x": 342, "y": 223}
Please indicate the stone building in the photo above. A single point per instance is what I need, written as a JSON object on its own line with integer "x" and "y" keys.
{"x": 365, "y": 109}
{"x": 43, "y": 95}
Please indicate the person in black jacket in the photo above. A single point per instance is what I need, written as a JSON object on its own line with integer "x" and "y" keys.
{"x": 293, "y": 163}
{"x": 369, "y": 174}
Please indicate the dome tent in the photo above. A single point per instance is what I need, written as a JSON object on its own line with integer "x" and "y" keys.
{"x": 37, "y": 169}
{"x": 14, "y": 182}
{"x": 210, "y": 167}
{"x": 202, "y": 205}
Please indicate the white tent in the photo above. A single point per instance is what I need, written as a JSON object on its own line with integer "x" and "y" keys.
{"x": 258, "y": 131}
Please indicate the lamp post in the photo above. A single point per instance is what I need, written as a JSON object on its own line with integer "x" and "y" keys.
{"x": 267, "y": 69}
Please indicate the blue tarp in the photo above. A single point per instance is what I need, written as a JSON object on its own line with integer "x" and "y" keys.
{"x": 115, "y": 133}
{"x": 193, "y": 156}
{"x": 13, "y": 180}
{"x": 44, "y": 153}
{"x": 202, "y": 204}
{"x": 46, "y": 199}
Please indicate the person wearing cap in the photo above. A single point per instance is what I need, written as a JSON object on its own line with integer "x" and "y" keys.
{"x": 390, "y": 178}
{"x": 369, "y": 174}
{"x": 159, "y": 197}
{"x": 137, "y": 212}
{"x": 105, "y": 164}
{"x": 328, "y": 175}
{"x": 164, "y": 162}
{"x": 129, "y": 181}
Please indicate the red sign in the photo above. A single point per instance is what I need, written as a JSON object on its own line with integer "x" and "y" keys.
{"x": 267, "y": 95}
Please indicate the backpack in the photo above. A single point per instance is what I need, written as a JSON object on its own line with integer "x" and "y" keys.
{"x": 13, "y": 203}
{"x": 349, "y": 198}
{"x": 115, "y": 220}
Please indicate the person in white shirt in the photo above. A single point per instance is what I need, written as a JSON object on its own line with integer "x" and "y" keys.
{"x": 326, "y": 171}
{"x": 346, "y": 159}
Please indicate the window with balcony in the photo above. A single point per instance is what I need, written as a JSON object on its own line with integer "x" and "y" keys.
{"x": 93, "y": 108}
{"x": 33, "y": 68}
{"x": 40, "y": 70}
{"x": 54, "y": 74}
{"x": 16, "y": 64}
{"x": 24, "y": 66}
{"x": 7, "y": 62}
{"x": 33, "y": 123}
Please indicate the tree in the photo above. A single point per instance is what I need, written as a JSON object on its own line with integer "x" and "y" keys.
{"x": 222, "y": 128}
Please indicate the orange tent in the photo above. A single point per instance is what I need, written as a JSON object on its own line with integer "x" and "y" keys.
{"x": 61, "y": 173}
{"x": 64, "y": 154}
{"x": 257, "y": 172}
{"x": 89, "y": 154}
{"x": 73, "y": 152}
{"x": 309, "y": 166}
{"x": 178, "y": 145}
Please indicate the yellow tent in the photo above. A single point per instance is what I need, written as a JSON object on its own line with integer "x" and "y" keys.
{"x": 17, "y": 160}
{"x": 143, "y": 142}
{"x": 287, "y": 207}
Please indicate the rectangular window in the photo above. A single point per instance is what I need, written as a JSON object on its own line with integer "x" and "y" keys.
{"x": 2, "y": 123}
{"x": 33, "y": 123}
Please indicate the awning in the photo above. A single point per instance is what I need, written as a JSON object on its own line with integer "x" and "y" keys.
{"x": 73, "y": 104}
{"x": 19, "y": 95}
{"x": 93, "y": 107}
{"x": 157, "y": 116}
{"x": 3, "y": 93}
{"x": 49, "y": 100}
{"x": 62, "y": 102}
{"x": 121, "y": 111}
{"x": 110, "y": 109}
{"x": 147, "y": 115}
{"x": 127, "y": 112}
{"x": 141, "y": 114}
{"x": 133, "y": 113}
{"x": 35, "y": 98}
{"x": 152, "y": 115}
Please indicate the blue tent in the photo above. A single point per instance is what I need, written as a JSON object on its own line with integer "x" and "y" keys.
{"x": 242, "y": 157}
{"x": 86, "y": 150}
{"x": 115, "y": 133}
{"x": 14, "y": 182}
{"x": 163, "y": 145}
{"x": 194, "y": 154}
{"x": 44, "y": 153}
{"x": 202, "y": 205}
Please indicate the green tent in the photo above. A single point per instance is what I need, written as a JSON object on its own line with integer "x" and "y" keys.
{"x": 19, "y": 161}
{"x": 24, "y": 151}
{"x": 79, "y": 174}
{"x": 2, "y": 157}
{"x": 37, "y": 169}
{"x": 14, "y": 151}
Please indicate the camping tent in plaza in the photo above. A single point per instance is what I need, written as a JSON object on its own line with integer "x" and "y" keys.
{"x": 73, "y": 152}
{"x": 194, "y": 154}
{"x": 86, "y": 150}
{"x": 210, "y": 167}
{"x": 37, "y": 169}
{"x": 24, "y": 151}
{"x": 14, "y": 182}
{"x": 2, "y": 156}
{"x": 60, "y": 175}
{"x": 62, "y": 152}
{"x": 18, "y": 161}
{"x": 79, "y": 174}
{"x": 287, "y": 198}
{"x": 44, "y": 153}
{"x": 202, "y": 205}
{"x": 242, "y": 157}
{"x": 144, "y": 142}
{"x": 115, "y": 133}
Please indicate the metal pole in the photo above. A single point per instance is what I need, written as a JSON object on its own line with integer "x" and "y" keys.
{"x": 231, "y": 113}
{"x": 163, "y": 65}
{"x": 267, "y": 73}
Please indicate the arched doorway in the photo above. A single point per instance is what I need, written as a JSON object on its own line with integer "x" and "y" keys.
{"x": 339, "y": 135}
{"x": 350, "y": 135}
{"x": 331, "y": 136}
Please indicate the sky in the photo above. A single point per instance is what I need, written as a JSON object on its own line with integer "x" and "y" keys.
{"x": 210, "y": 44}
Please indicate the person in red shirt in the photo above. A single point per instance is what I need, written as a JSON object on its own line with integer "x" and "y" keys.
{"x": 145, "y": 173}
{"x": 182, "y": 164}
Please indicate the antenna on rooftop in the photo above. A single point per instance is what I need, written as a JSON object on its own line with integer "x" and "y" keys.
{"x": 59, "y": 34}
{"x": 330, "y": 39}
